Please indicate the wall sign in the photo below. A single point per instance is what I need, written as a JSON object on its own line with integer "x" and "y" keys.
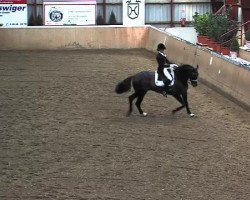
{"x": 133, "y": 12}
{"x": 58, "y": 13}
{"x": 13, "y": 13}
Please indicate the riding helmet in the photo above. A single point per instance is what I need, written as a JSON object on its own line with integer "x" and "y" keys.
{"x": 161, "y": 47}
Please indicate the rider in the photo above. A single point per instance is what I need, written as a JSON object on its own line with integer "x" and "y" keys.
{"x": 163, "y": 62}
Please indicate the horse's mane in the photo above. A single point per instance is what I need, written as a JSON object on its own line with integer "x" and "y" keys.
{"x": 184, "y": 67}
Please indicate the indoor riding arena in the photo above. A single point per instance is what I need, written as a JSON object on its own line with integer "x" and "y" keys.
{"x": 64, "y": 133}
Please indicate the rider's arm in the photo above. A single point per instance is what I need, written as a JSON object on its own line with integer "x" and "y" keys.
{"x": 167, "y": 61}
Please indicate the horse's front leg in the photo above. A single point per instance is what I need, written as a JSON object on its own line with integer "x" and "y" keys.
{"x": 185, "y": 101}
{"x": 178, "y": 98}
{"x": 182, "y": 98}
{"x": 177, "y": 109}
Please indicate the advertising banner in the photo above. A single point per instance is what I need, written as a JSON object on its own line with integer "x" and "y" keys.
{"x": 13, "y": 1}
{"x": 133, "y": 12}
{"x": 70, "y": 13}
{"x": 13, "y": 13}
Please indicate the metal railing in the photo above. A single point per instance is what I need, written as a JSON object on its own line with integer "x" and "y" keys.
{"x": 239, "y": 36}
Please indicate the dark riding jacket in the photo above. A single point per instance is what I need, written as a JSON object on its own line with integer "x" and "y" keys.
{"x": 162, "y": 61}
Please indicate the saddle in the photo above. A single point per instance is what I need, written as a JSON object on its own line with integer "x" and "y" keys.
{"x": 166, "y": 71}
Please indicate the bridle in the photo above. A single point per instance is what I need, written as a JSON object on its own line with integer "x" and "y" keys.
{"x": 193, "y": 80}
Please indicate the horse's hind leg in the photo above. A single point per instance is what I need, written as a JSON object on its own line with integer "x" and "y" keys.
{"x": 141, "y": 95}
{"x": 130, "y": 100}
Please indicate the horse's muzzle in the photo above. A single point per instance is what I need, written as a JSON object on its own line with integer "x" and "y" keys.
{"x": 194, "y": 83}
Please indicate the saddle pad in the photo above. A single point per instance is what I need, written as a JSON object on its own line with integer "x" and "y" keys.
{"x": 157, "y": 82}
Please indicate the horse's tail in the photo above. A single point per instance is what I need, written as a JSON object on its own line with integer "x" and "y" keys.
{"x": 124, "y": 85}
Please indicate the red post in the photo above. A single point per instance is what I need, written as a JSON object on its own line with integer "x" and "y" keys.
{"x": 183, "y": 18}
{"x": 35, "y": 8}
{"x": 171, "y": 13}
{"x": 104, "y": 11}
{"x": 183, "y": 22}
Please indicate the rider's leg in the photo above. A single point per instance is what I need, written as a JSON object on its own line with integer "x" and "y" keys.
{"x": 168, "y": 76}
{"x": 168, "y": 79}
{"x": 166, "y": 82}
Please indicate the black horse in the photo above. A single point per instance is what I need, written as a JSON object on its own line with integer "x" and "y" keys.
{"x": 145, "y": 81}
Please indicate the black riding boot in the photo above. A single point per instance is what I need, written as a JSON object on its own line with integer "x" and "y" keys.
{"x": 166, "y": 88}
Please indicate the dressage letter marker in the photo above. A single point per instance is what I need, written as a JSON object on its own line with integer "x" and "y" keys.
{"x": 211, "y": 61}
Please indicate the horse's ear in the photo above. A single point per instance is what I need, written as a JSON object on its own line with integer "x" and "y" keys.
{"x": 197, "y": 67}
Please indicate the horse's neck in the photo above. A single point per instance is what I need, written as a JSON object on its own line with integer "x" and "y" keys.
{"x": 179, "y": 74}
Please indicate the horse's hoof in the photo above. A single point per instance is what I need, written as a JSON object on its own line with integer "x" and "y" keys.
{"x": 191, "y": 115}
{"x": 144, "y": 114}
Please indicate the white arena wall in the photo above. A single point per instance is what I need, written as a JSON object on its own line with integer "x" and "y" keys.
{"x": 229, "y": 78}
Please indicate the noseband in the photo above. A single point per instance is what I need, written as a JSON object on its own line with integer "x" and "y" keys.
{"x": 193, "y": 80}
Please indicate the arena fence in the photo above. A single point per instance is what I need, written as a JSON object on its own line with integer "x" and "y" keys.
{"x": 224, "y": 75}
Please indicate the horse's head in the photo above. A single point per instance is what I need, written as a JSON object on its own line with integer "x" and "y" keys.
{"x": 193, "y": 76}
{"x": 187, "y": 73}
